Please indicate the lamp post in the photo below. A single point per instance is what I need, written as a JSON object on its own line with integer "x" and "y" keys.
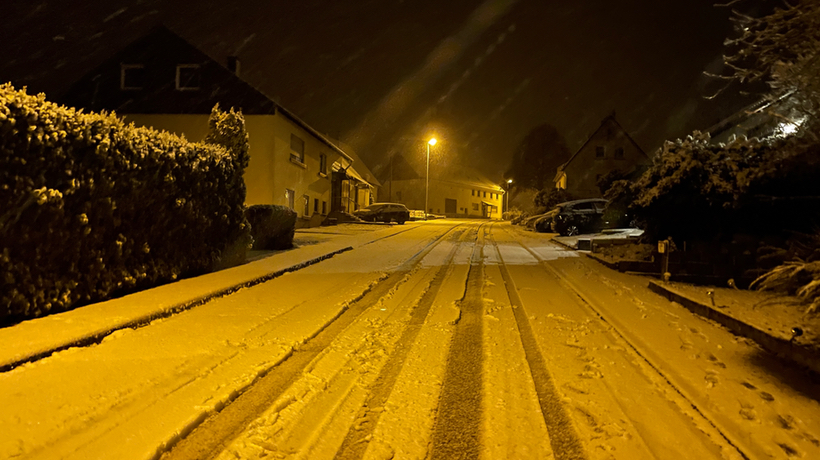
{"x": 430, "y": 143}
{"x": 509, "y": 184}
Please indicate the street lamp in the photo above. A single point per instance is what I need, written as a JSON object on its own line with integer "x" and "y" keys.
{"x": 430, "y": 143}
{"x": 509, "y": 184}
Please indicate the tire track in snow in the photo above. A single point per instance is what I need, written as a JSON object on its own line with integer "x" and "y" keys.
{"x": 564, "y": 439}
{"x": 357, "y": 439}
{"x": 206, "y": 439}
{"x": 684, "y": 403}
{"x": 457, "y": 429}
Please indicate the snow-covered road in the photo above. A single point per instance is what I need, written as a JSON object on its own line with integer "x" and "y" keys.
{"x": 447, "y": 339}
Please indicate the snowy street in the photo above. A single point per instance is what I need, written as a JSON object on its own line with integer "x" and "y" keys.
{"x": 443, "y": 339}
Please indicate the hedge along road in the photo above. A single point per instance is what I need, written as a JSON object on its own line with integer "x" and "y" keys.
{"x": 445, "y": 342}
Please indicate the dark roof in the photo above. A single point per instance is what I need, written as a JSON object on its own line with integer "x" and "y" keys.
{"x": 160, "y": 51}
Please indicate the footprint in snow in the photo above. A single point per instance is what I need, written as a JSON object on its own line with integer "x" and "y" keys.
{"x": 714, "y": 360}
{"x": 747, "y": 411}
{"x": 711, "y": 378}
{"x": 787, "y": 422}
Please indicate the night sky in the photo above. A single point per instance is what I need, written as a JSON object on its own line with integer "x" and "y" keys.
{"x": 383, "y": 75}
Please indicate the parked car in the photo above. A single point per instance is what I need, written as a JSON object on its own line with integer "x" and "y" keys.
{"x": 579, "y": 216}
{"x": 384, "y": 212}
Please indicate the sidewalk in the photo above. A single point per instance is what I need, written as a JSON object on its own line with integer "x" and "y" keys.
{"x": 40, "y": 337}
{"x": 766, "y": 318}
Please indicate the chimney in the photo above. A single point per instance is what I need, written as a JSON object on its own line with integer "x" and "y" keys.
{"x": 233, "y": 64}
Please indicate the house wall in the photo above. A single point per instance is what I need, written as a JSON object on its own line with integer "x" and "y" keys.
{"x": 583, "y": 171}
{"x": 469, "y": 198}
{"x": 270, "y": 171}
{"x": 304, "y": 179}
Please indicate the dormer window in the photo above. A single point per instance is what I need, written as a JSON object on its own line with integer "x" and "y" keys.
{"x": 132, "y": 76}
{"x": 188, "y": 77}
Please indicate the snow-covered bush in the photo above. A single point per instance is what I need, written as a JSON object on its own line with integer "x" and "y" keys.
{"x": 272, "y": 226}
{"x": 800, "y": 273}
{"x": 697, "y": 190}
{"x": 781, "y": 49}
{"x": 547, "y": 198}
{"x": 91, "y": 207}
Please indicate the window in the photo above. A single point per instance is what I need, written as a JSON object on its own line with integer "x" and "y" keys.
{"x": 475, "y": 206}
{"x": 473, "y": 192}
{"x": 307, "y": 205}
{"x": 297, "y": 149}
{"x": 188, "y": 77}
{"x": 315, "y": 205}
{"x": 485, "y": 194}
{"x": 600, "y": 151}
{"x": 290, "y": 196}
{"x": 132, "y": 76}
{"x": 323, "y": 164}
{"x": 324, "y": 207}
{"x": 619, "y": 153}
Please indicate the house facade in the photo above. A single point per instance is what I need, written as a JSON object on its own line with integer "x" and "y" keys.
{"x": 609, "y": 148}
{"x": 354, "y": 186}
{"x": 162, "y": 81}
{"x": 458, "y": 191}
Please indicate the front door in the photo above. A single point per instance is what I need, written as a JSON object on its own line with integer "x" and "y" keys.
{"x": 450, "y": 206}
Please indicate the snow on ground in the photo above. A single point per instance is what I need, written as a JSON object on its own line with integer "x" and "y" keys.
{"x": 742, "y": 397}
{"x": 773, "y": 313}
{"x": 573, "y": 355}
{"x": 34, "y": 337}
{"x": 138, "y": 389}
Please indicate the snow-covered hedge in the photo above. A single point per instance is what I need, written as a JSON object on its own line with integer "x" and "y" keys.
{"x": 272, "y": 226}
{"x": 698, "y": 190}
{"x": 91, "y": 207}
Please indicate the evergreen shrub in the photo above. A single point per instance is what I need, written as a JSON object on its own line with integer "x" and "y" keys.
{"x": 91, "y": 207}
{"x": 272, "y": 226}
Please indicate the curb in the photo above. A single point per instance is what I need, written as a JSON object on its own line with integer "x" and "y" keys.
{"x": 132, "y": 323}
{"x": 784, "y": 349}
{"x": 606, "y": 263}
{"x": 563, "y": 244}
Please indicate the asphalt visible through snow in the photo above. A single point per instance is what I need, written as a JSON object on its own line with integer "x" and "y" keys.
{"x": 445, "y": 339}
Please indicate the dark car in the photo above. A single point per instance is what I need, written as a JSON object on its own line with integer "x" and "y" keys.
{"x": 384, "y": 212}
{"x": 579, "y": 216}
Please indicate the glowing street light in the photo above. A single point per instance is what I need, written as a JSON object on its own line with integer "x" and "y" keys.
{"x": 430, "y": 143}
{"x": 509, "y": 184}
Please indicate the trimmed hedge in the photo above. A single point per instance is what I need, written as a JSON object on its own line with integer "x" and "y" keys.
{"x": 91, "y": 207}
{"x": 272, "y": 226}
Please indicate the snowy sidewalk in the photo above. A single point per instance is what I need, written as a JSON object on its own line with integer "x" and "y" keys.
{"x": 37, "y": 338}
{"x": 766, "y": 318}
